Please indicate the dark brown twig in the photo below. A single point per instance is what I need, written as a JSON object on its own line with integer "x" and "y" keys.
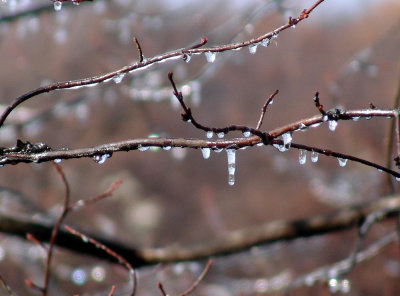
{"x": 161, "y": 288}
{"x": 199, "y": 279}
{"x": 264, "y": 108}
{"x": 318, "y": 104}
{"x": 110, "y": 252}
{"x": 139, "y": 49}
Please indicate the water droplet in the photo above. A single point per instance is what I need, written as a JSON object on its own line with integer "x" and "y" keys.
{"x": 253, "y": 48}
{"x": 57, "y": 5}
{"x": 342, "y": 161}
{"x": 79, "y": 277}
{"x": 332, "y": 125}
{"x": 325, "y": 118}
{"x": 101, "y": 158}
{"x": 380, "y": 170}
{"x": 221, "y": 135}
{"x": 98, "y": 273}
{"x": 118, "y": 78}
{"x": 143, "y": 148}
{"x": 293, "y": 26}
{"x": 209, "y": 134}
{"x": 345, "y": 286}
{"x": 231, "y": 154}
{"x": 57, "y": 160}
{"x": 206, "y": 152}
{"x": 333, "y": 285}
{"x": 246, "y": 133}
{"x": 287, "y": 139}
{"x": 187, "y": 57}
{"x": 356, "y": 118}
{"x": 210, "y": 56}
{"x": 166, "y": 148}
{"x": 302, "y": 156}
{"x": 314, "y": 156}
{"x": 265, "y": 42}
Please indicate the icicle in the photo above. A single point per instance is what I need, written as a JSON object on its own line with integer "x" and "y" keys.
{"x": 287, "y": 139}
{"x": 231, "y": 154}
{"x": 342, "y": 161}
{"x": 210, "y": 56}
{"x": 206, "y": 152}
{"x": 118, "y": 77}
{"x": 57, "y": 5}
{"x": 253, "y": 48}
{"x": 246, "y": 134}
{"x": 221, "y": 135}
{"x": 209, "y": 134}
{"x": 314, "y": 156}
{"x": 101, "y": 158}
{"x": 302, "y": 156}
{"x": 332, "y": 125}
{"x": 143, "y": 148}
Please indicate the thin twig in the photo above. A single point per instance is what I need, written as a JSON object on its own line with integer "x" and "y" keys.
{"x": 6, "y": 287}
{"x": 161, "y": 288}
{"x": 112, "y": 291}
{"x": 139, "y": 49}
{"x": 110, "y": 252}
{"x": 318, "y": 104}
{"x": 199, "y": 279}
{"x": 264, "y": 108}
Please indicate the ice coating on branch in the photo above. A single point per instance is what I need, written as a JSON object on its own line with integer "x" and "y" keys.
{"x": 118, "y": 77}
{"x": 231, "y": 154}
{"x": 332, "y": 125}
{"x": 314, "y": 156}
{"x": 205, "y": 152}
{"x": 210, "y": 56}
{"x": 302, "y": 156}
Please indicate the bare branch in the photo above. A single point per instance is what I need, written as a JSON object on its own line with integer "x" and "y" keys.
{"x": 264, "y": 108}
{"x": 199, "y": 279}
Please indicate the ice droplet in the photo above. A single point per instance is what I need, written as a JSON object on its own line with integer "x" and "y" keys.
{"x": 271, "y": 102}
{"x": 342, "y": 161}
{"x": 368, "y": 117}
{"x": 143, "y": 148}
{"x": 325, "y": 118}
{"x": 209, "y": 134}
{"x": 265, "y": 42}
{"x": 302, "y": 156}
{"x": 253, "y": 48}
{"x": 206, "y": 152}
{"x": 210, "y": 56}
{"x": 101, "y": 158}
{"x": 221, "y": 135}
{"x": 57, "y": 160}
{"x": 314, "y": 156}
{"x": 118, "y": 78}
{"x": 166, "y": 148}
{"x": 332, "y": 125}
{"x": 287, "y": 139}
{"x": 57, "y": 5}
{"x": 345, "y": 286}
{"x": 356, "y": 118}
{"x": 187, "y": 57}
{"x": 231, "y": 154}
{"x": 333, "y": 285}
{"x": 397, "y": 178}
{"x": 246, "y": 134}
{"x": 218, "y": 150}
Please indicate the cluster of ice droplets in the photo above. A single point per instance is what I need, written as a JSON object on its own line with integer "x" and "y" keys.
{"x": 231, "y": 154}
{"x": 336, "y": 285}
{"x": 210, "y": 56}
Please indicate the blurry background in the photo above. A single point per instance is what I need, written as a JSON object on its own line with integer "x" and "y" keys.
{"x": 346, "y": 50}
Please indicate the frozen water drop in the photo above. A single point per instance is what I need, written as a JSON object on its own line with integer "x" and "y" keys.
{"x": 206, "y": 152}
{"x": 271, "y": 102}
{"x": 345, "y": 286}
{"x": 397, "y": 178}
{"x": 231, "y": 154}
{"x": 287, "y": 139}
{"x": 253, "y": 48}
{"x": 101, "y": 158}
{"x": 368, "y": 117}
{"x": 333, "y": 285}
{"x": 260, "y": 144}
{"x": 293, "y": 26}
{"x": 118, "y": 78}
{"x": 57, "y": 160}
{"x": 166, "y": 148}
{"x": 218, "y": 150}
{"x": 57, "y": 5}
{"x": 314, "y": 156}
{"x": 209, "y": 134}
{"x": 342, "y": 161}
{"x": 221, "y": 135}
{"x": 210, "y": 56}
{"x": 187, "y": 57}
{"x": 246, "y": 134}
{"x": 302, "y": 156}
{"x": 332, "y": 125}
{"x": 143, "y": 148}
{"x": 325, "y": 118}
{"x": 356, "y": 118}
{"x": 265, "y": 42}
